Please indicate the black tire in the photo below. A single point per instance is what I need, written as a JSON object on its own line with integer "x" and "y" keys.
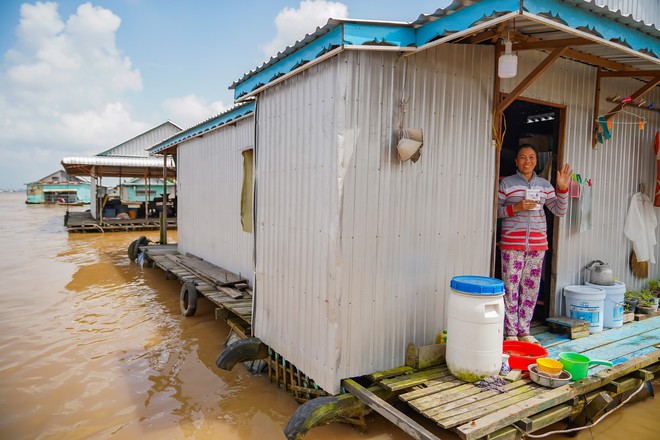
{"x": 188, "y": 299}
{"x": 142, "y": 241}
{"x": 131, "y": 250}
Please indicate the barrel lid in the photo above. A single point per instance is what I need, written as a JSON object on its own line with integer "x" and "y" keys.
{"x": 477, "y": 285}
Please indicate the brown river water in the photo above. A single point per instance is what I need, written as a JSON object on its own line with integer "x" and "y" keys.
{"x": 93, "y": 346}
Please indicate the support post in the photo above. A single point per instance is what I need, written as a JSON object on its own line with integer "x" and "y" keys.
{"x": 163, "y": 214}
{"x": 591, "y": 411}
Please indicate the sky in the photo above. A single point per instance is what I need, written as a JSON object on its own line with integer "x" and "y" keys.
{"x": 78, "y": 78}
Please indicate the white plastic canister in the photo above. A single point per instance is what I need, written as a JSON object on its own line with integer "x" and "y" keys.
{"x": 614, "y": 303}
{"x": 587, "y": 303}
{"x": 474, "y": 327}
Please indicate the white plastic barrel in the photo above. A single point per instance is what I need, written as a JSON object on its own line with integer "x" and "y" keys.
{"x": 474, "y": 327}
{"x": 587, "y": 303}
{"x": 614, "y": 304}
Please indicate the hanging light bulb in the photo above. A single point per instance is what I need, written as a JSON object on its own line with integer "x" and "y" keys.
{"x": 507, "y": 66}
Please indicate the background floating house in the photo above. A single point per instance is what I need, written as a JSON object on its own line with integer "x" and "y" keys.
{"x": 351, "y": 250}
{"x": 58, "y": 188}
{"x": 128, "y": 159}
{"x": 140, "y": 189}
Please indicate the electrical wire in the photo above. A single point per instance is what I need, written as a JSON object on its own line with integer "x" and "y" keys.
{"x": 499, "y": 138}
{"x": 580, "y": 428}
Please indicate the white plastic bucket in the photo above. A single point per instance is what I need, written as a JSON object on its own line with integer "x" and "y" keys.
{"x": 614, "y": 304}
{"x": 587, "y": 303}
{"x": 474, "y": 327}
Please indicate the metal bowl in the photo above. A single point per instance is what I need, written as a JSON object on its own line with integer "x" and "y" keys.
{"x": 543, "y": 378}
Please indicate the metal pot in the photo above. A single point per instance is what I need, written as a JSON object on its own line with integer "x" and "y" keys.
{"x": 600, "y": 273}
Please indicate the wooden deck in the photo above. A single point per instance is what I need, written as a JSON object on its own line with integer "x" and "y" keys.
{"x": 474, "y": 413}
{"x": 229, "y": 291}
{"x": 76, "y": 221}
{"x": 433, "y": 393}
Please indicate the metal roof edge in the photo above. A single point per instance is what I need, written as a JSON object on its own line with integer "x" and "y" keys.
{"x": 457, "y": 18}
{"x": 212, "y": 123}
{"x": 116, "y": 161}
{"x": 105, "y": 153}
{"x": 581, "y": 14}
{"x": 463, "y": 18}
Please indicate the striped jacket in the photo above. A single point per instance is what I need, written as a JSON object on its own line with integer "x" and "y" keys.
{"x": 527, "y": 230}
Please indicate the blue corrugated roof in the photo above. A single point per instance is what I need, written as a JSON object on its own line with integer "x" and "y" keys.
{"x": 457, "y": 17}
{"x": 209, "y": 124}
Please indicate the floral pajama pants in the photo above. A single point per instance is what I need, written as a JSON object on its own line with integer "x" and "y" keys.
{"x": 521, "y": 273}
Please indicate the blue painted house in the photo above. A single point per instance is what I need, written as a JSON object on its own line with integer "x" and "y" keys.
{"x": 136, "y": 190}
{"x": 58, "y": 188}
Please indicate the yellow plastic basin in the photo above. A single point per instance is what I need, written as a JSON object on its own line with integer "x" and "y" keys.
{"x": 549, "y": 366}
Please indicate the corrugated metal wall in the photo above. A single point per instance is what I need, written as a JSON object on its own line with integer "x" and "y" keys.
{"x": 297, "y": 216}
{"x": 340, "y": 308}
{"x": 647, "y": 11}
{"x": 616, "y": 168}
{"x": 209, "y": 179}
{"x": 408, "y": 228}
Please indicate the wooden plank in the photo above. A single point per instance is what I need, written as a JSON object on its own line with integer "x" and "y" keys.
{"x": 565, "y": 321}
{"x": 487, "y": 406}
{"x": 643, "y": 316}
{"x": 453, "y": 394}
{"x": 425, "y": 356}
{"x": 217, "y": 275}
{"x": 433, "y": 405}
{"x": 592, "y": 411}
{"x": 387, "y": 374}
{"x": 624, "y": 347}
{"x": 650, "y": 85}
{"x": 603, "y": 338}
{"x": 434, "y": 387}
{"x": 499, "y": 419}
{"x": 538, "y": 421}
{"x": 410, "y": 380}
{"x": 234, "y": 293}
{"x": 408, "y": 425}
{"x": 529, "y": 80}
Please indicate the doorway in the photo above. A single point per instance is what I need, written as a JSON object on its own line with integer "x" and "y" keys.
{"x": 539, "y": 124}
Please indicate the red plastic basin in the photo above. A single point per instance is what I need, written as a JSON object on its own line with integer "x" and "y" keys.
{"x": 522, "y": 354}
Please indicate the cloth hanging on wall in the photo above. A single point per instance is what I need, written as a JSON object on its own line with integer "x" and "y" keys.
{"x": 585, "y": 208}
{"x": 640, "y": 227}
{"x": 656, "y": 148}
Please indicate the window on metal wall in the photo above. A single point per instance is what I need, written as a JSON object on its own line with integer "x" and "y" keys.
{"x": 247, "y": 190}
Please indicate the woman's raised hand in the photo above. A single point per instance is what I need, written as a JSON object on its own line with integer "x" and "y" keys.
{"x": 564, "y": 177}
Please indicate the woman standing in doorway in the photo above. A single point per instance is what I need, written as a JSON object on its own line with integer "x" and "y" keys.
{"x": 524, "y": 239}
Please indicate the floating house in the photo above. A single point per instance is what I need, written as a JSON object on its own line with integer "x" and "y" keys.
{"x": 214, "y": 189}
{"x": 351, "y": 249}
{"x": 58, "y": 188}
{"x": 140, "y": 189}
{"x": 126, "y": 160}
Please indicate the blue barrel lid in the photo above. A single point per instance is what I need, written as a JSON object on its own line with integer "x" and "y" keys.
{"x": 477, "y": 285}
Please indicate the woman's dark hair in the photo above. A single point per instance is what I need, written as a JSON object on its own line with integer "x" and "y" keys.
{"x": 520, "y": 147}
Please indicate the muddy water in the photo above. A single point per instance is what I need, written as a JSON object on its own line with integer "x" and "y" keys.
{"x": 93, "y": 346}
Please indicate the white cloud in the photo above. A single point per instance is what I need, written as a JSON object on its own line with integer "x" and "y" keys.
{"x": 62, "y": 87}
{"x": 293, "y": 24}
{"x": 191, "y": 109}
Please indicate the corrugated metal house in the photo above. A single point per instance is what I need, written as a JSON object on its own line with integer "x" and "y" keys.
{"x": 214, "y": 211}
{"x": 128, "y": 159}
{"x": 354, "y": 249}
{"x": 58, "y": 187}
